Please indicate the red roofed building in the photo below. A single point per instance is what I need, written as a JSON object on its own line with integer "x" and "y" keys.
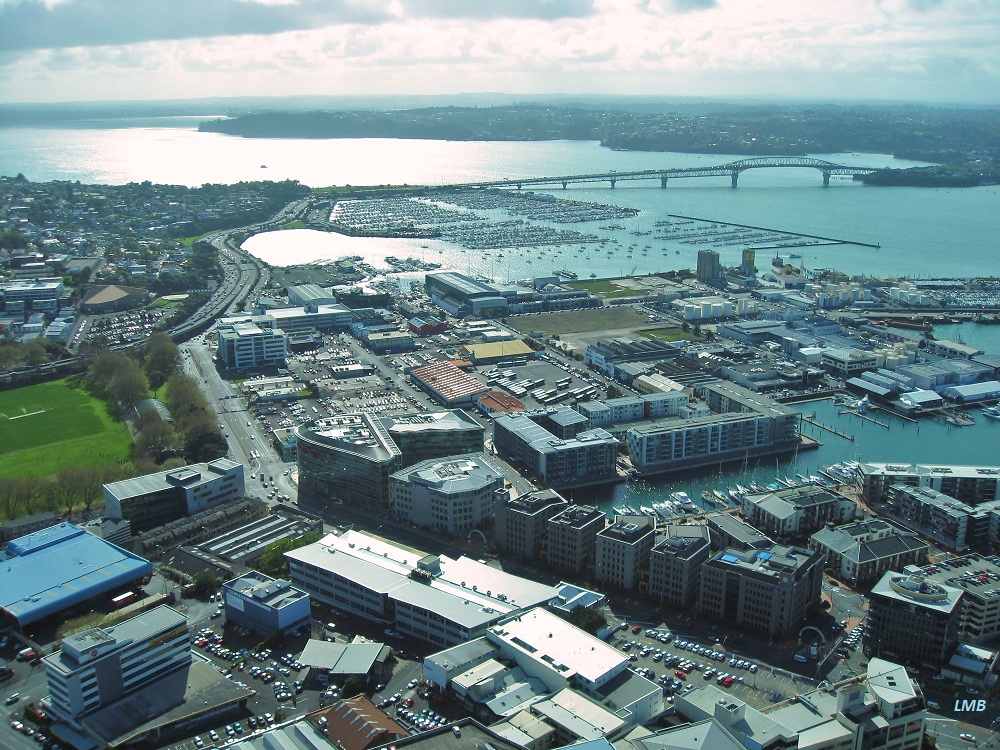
{"x": 447, "y": 384}
{"x": 498, "y": 402}
{"x": 357, "y": 724}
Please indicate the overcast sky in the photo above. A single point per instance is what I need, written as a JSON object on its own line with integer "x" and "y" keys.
{"x": 915, "y": 50}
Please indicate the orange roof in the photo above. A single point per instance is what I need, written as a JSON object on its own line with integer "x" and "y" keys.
{"x": 498, "y": 401}
{"x": 357, "y": 724}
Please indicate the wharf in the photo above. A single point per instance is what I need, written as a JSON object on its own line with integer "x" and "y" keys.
{"x": 835, "y": 431}
{"x": 864, "y": 417}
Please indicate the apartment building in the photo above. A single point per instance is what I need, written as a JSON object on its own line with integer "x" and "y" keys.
{"x": 622, "y": 553}
{"x": 675, "y": 564}
{"x": 572, "y": 538}
{"x": 521, "y": 523}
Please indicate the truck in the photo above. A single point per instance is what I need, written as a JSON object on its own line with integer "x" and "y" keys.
{"x": 123, "y": 600}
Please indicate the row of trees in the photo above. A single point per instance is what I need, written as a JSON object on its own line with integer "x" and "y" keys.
{"x": 192, "y": 436}
{"x": 69, "y": 489}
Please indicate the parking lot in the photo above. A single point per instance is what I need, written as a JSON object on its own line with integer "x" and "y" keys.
{"x": 679, "y": 665}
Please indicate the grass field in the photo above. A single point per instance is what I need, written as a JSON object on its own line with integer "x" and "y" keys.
{"x": 603, "y": 288}
{"x": 52, "y": 426}
{"x": 668, "y": 333}
{"x": 579, "y": 321}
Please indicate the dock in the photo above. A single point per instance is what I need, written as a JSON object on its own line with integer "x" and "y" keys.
{"x": 835, "y": 431}
{"x": 864, "y": 417}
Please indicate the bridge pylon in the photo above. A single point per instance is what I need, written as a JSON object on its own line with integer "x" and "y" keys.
{"x": 564, "y": 184}
{"x": 663, "y": 180}
{"x": 612, "y": 183}
{"x": 736, "y": 176}
{"x": 826, "y": 179}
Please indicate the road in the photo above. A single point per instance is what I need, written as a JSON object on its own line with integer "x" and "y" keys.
{"x": 247, "y": 442}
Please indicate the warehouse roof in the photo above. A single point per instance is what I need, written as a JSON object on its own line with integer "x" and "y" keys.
{"x": 52, "y": 569}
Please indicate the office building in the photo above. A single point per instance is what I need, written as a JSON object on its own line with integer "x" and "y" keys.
{"x": 709, "y": 270}
{"x": 792, "y": 511}
{"x": 913, "y": 620}
{"x": 432, "y": 598}
{"x": 588, "y": 458}
{"x": 521, "y": 523}
{"x": 860, "y": 553}
{"x": 769, "y": 591}
{"x": 675, "y": 564}
{"x": 346, "y": 460}
{"x": 978, "y": 578}
{"x": 156, "y": 499}
{"x": 453, "y": 495}
{"x": 426, "y": 435}
{"x": 99, "y": 666}
{"x": 244, "y": 346}
{"x": 39, "y": 295}
{"x": 622, "y": 553}
{"x": 971, "y": 485}
{"x": 349, "y": 458}
{"x": 572, "y": 538}
{"x": 264, "y": 605}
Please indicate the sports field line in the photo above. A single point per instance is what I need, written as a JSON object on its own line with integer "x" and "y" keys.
{"x": 29, "y": 414}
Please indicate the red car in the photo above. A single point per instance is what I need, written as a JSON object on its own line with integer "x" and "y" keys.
{"x": 728, "y": 681}
{"x": 636, "y": 629}
{"x": 680, "y": 675}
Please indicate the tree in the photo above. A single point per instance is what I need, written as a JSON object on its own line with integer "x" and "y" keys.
{"x": 129, "y": 385}
{"x": 156, "y": 441}
{"x": 353, "y": 685}
{"x": 160, "y": 359}
{"x": 205, "y": 583}
{"x": 274, "y": 563}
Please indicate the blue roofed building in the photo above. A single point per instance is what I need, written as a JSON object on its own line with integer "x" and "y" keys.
{"x": 48, "y": 571}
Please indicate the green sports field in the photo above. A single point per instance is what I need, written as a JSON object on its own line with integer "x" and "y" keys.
{"x": 54, "y": 426}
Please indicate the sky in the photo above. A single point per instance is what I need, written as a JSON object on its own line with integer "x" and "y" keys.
{"x": 849, "y": 50}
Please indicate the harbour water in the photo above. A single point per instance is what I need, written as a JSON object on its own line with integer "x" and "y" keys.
{"x": 921, "y": 232}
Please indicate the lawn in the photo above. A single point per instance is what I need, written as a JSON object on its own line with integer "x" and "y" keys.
{"x": 604, "y": 288}
{"x": 579, "y": 321}
{"x": 53, "y": 426}
{"x": 668, "y": 333}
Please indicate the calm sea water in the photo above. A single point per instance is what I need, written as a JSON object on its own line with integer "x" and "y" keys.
{"x": 922, "y": 232}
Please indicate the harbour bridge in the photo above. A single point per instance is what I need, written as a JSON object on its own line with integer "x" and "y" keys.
{"x": 733, "y": 170}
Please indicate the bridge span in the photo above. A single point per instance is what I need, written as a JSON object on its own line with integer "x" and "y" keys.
{"x": 733, "y": 170}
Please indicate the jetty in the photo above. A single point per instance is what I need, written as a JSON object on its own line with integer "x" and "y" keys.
{"x": 835, "y": 431}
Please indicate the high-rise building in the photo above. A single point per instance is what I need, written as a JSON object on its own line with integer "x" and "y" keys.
{"x": 243, "y": 346}
{"x": 912, "y": 619}
{"x": 622, "y": 555}
{"x": 675, "y": 563}
{"x": 769, "y": 591}
{"x": 452, "y": 495}
{"x": 346, "y": 459}
{"x": 521, "y": 523}
{"x": 572, "y": 538}
{"x": 99, "y": 666}
{"x": 709, "y": 268}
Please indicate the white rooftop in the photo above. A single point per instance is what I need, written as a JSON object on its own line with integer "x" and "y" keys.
{"x": 564, "y": 647}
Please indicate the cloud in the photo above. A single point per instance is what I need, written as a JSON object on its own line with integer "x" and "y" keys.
{"x": 548, "y": 10}
{"x": 32, "y": 24}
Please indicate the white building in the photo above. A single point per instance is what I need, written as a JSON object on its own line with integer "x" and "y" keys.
{"x": 452, "y": 495}
{"x": 243, "y": 346}
{"x": 99, "y": 666}
{"x": 433, "y": 598}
